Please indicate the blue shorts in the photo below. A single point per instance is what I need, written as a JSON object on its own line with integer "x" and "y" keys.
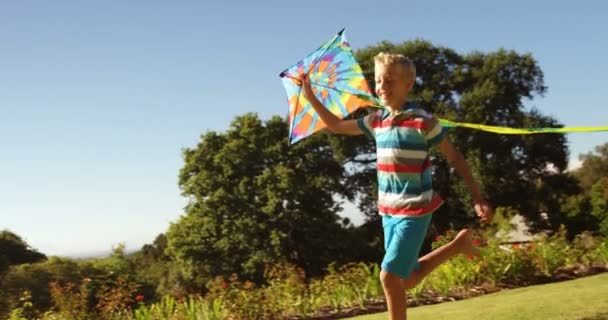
{"x": 403, "y": 238}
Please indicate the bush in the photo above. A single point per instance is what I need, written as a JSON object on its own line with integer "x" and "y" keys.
{"x": 287, "y": 292}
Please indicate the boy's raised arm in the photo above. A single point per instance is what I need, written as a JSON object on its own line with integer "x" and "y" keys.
{"x": 334, "y": 124}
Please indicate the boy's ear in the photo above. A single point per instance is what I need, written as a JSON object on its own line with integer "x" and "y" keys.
{"x": 410, "y": 85}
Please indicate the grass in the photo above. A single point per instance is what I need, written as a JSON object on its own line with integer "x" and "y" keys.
{"x": 585, "y": 298}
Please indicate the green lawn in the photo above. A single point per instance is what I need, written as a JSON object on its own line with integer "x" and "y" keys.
{"x": 585, "y": 298}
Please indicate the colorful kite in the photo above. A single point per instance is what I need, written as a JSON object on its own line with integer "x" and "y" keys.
{"x": 337, "y": 81}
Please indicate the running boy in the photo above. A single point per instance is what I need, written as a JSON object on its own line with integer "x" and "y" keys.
{"x": 406, "y": 200}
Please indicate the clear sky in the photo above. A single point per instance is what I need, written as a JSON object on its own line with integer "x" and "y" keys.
{"x": 98, "y": 98}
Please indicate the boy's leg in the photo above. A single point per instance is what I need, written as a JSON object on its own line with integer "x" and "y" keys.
{"x": 462, "y": 243}
{"x": 403, "y": 238}
{"x": 396, "y": 300}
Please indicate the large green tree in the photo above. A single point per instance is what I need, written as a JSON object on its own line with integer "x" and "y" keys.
{"x": 255, "y": 200}
{"x": 489, "y": 88}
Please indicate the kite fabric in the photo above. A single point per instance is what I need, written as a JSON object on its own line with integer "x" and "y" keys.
{"x": 337, "y": 81}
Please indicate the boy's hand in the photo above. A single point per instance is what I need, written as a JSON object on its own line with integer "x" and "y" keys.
{"x": 484, "y": 211}
{"x": 306, "y": 87}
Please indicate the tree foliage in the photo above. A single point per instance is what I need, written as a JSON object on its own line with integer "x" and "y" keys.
{"x": 255, "y": 200}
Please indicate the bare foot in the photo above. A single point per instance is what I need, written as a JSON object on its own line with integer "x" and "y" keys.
{"x": 464, "y": 243}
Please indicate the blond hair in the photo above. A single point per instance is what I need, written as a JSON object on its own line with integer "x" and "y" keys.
{"x": 390, "y": 59}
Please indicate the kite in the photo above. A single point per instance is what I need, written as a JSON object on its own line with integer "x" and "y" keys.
{"x": 337, "y": 81}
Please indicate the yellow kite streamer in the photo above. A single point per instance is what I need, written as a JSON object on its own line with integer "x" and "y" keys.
{"x": 507, "y": 130}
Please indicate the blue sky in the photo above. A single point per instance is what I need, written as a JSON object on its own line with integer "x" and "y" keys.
{"x": 97, "y": 99}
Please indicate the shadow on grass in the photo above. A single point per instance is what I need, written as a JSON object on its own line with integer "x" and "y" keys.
{"x": 600, "y": 316}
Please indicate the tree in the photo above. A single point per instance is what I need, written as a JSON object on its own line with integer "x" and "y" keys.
{"x": 35, "y": 278}
{"x": 488, "y": 88}
{"x": 599, "y": 204}
{"x": 568, "y": 204}
{"x": 578, "y": 200}
{"x": 14, "y": 251}
{"x": 157, "y": 272}
{"x": 255, "y": 200}
{"x": 594, "y": 166}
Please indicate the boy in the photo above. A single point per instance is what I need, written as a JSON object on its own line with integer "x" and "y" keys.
{"x": 406, "y": 200}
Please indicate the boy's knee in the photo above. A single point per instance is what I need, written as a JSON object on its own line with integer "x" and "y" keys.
{"x": 389, "y": 280}
{"x": 392, "y": 280}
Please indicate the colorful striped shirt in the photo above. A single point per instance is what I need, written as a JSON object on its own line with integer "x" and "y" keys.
{"x": 403, "y": 139}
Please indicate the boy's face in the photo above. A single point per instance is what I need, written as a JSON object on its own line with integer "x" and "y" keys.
{"x": 392, "y": 85}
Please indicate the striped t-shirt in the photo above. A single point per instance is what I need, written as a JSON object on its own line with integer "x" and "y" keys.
{"x": 403, "y": 139}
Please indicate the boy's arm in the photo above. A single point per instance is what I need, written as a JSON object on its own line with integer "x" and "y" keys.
{"x": 457, "y": 161}
{"x": 334, "y": 124}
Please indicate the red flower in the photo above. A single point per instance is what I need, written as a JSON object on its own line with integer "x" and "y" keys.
{"x": 438, "y": 238}
{"x": 139, "y": 298}
{"x": 476, "y": 242}
{"x": 470, "y": 256}
{"x": 516, "y": 246}
{"x": 224, "y": 284}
